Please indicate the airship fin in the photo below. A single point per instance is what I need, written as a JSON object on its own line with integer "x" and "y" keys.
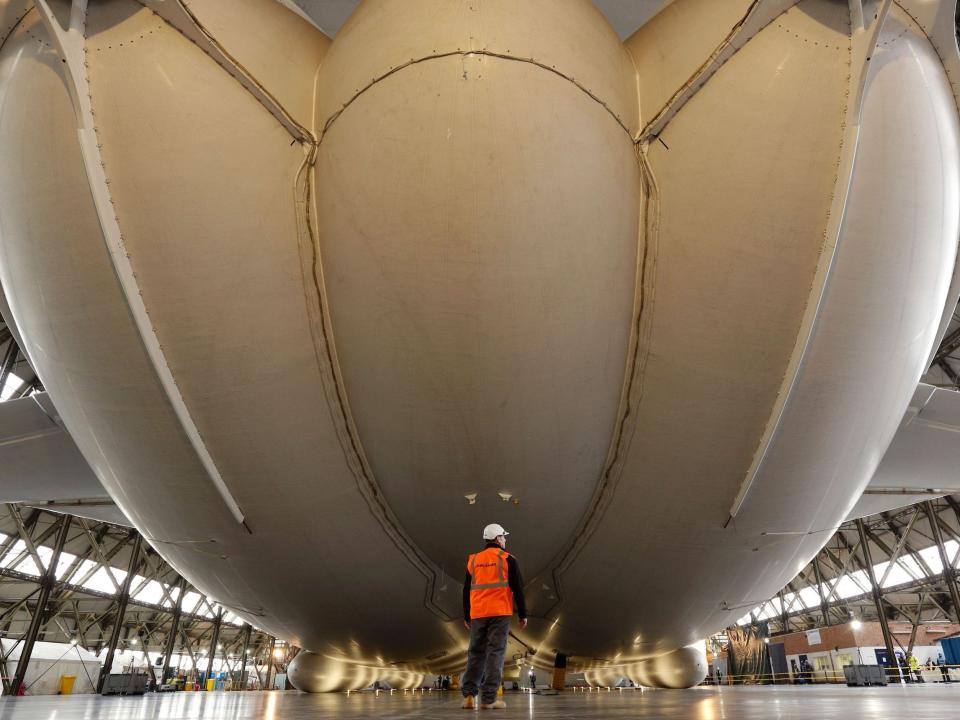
{"x": 866, "y": 22}
{"x": 42, "y": 466}
{"x": 922, "y": 460}
{"x": 70, "y": 43}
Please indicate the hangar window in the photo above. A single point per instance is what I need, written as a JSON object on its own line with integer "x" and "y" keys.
{"x": 12, "y": 384}
{"x": 151, "y": 593}
{"x": 809, "y": 597}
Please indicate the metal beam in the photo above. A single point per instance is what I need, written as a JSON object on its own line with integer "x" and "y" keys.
{"x": 268, "y": 684}
{"x": 824, "y": 608}
{"x": 174, "y": 629}
{"x": 98, "y": 551}
{"x": 47, "y": 581}
{"x": 144, "y": 637}
{"x": 877, "y": 596}
{"x": 9, "y": 360}
{"x": 15, "y": 560}
{"x": 18, "y": 604}
{"x": 949, "y": 575}
{"x": 243, "y": 655}
{"x": 917, "y": 558}
{"x": 954, "y": 505}
{"x": 784, "y": 616}
{"x": 843, "y": 565}
{"x": 122, "y": 599}
{"x": 213, "y": 645}
{"x": 950, "y": 343}
{"x": 948, "y": 370}
{"x": 96, "y": 594}
{"x": 185, "y": 643}
{"x": 895, "y": 557}
{"x": 24, "y": 534}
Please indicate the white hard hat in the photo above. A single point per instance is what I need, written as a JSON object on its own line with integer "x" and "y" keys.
{"x": 491, "y": 532}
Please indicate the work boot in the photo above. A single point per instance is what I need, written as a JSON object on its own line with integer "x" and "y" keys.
{"x": 468, "y": 703}
{"x": 498, "y": 705}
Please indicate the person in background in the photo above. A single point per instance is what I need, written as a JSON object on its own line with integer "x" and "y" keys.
{"x": 915, "y": 667}
{"x": 944, "y": 670}
{"x": 904, "y": 667}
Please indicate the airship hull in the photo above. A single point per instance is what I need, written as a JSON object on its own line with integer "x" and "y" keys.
{"x": 315, "y": 313}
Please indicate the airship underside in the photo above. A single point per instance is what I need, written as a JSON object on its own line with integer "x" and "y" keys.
{"x": 315, "y": 311}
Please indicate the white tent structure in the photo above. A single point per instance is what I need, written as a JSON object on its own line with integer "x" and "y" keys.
{"x": 49, "y": 662}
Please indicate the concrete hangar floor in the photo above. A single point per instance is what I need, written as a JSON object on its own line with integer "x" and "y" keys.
{"x": 928, "y": 701}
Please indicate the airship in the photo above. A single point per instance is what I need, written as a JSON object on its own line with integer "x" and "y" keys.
{"x": 314, "y": 310}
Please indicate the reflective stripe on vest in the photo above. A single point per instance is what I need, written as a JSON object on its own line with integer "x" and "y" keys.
{"x": 490, "y": 594}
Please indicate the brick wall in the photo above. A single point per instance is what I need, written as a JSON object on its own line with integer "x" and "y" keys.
{"x": 868, "y": 635}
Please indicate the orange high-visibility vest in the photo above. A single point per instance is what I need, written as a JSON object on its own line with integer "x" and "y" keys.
{"x": 490, "y": 594}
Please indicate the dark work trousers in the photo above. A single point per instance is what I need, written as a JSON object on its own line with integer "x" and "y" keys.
{"x": 488, "y": 644}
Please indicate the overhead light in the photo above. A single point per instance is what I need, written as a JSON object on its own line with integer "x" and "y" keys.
{"x": 471, "y": 498}
{"x": 766, "y": 641}
{"x": 856, "y": 624}
{"x": 73, "y": 642}
{"x": 133, "y": 641}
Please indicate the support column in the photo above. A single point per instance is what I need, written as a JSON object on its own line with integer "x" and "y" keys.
{"x": 878, "y": 602}
{"x": 213, "y": 645}
{"x": 47, "y": 581}
{"x": 174, "y": 629}
{"x": 559, "y": 672}
{"x": 784, "y": 616}
{"x": 949, "y": 574}
{"x": 268, "y": 685}
{"x": 122, "y": 599}
{"x": 144, "y": 638}
{"x": 243, "y": 655}
{"x": 824, "y": 608}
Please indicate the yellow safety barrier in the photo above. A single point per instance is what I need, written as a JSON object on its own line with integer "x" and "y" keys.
{"x": 66, "y": 684}
{"x": 812, "y": 677}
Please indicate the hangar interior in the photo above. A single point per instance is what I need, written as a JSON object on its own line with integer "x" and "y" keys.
{"x": 297, "y": 295}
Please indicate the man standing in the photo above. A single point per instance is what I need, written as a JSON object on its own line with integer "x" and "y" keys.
{"x": 944, "y": 670}
{"x": 915, "y": 667}
{"x": 491, "y": 590}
